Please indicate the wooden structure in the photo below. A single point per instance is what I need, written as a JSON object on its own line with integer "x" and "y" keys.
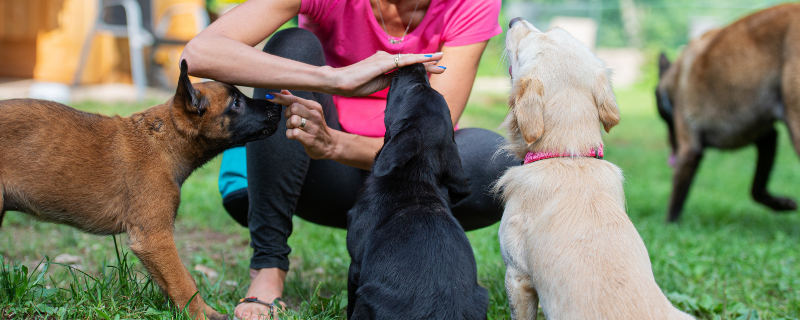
{"x": 42, "y": 39}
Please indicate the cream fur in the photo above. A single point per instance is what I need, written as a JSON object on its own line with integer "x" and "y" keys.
{"x": 565, "y": 236}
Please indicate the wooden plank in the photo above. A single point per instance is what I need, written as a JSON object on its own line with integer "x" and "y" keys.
{"x": 17, "y": 59}
{"x": 3, "y": 19}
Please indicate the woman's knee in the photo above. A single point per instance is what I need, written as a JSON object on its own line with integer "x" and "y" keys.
{"x": 483, "y": 160}
{"x": 481, "y": 146}
{"x": 297, "y": 44}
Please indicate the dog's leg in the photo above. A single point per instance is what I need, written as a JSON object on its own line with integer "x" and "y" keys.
{"x": 155, "y": 247}
{"x": 766, "y": 145}
{"x": 791, "y": 94}
{"x": 687, "y": 161}
{"x": 2, "y": 211}
{"x": 522, "y": 298}
{"x": 352, "y": 287}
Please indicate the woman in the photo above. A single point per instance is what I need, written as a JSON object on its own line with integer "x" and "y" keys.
{"x": 334, "y": 125}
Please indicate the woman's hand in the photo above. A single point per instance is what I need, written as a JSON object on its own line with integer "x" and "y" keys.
{"x": 313, "y": 133}
{"x": 370, "y": 75}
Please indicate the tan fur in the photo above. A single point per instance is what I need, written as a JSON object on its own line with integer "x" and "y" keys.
{"x": 731, "y": 96}
{"x": 109, "y": 175}
{"x": 559, "y": 118}
{"x": 565, "y": 236}
{"x": 729, "y": 87}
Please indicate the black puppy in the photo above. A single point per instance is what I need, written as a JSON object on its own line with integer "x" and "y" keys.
{"x": 410, "y": 257}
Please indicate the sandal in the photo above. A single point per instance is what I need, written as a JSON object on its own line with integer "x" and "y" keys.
{"x": 275, "y": 303}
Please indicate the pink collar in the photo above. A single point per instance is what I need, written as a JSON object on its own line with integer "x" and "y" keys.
{"x": 541, "y": 155}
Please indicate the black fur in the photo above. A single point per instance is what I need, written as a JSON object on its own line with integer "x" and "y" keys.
{"x": 410, "y": 257}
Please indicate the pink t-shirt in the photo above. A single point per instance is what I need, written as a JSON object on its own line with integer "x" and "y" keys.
{"x": 350, "y": 33}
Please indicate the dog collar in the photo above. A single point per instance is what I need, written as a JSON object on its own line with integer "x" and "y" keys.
{"x": 541, "y": 155}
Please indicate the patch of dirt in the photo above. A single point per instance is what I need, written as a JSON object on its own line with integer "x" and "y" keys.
{"x": 30, "y": 241}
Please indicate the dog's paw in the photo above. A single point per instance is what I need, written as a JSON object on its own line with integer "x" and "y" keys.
{"x": 211, "y": 314}
{"x": 778, "y": 203}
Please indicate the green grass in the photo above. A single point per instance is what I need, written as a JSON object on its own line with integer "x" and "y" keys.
{"x": 730, "y": 258}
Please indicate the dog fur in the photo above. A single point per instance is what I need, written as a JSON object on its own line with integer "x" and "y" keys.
{"x": 410, "y": 257}
{"x": 109, "y": 175}
{"x": 727, "y": 90}
{"x": 565, "y": 237}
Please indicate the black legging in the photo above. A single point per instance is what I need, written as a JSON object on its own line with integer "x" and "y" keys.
{"x": 283, "y": 180}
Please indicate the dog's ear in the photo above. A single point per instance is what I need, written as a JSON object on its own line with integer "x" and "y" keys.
{"x": 186, "y": 95}
{"x": 401, "y": 147}
{"x": 607, "y": 109}
{"x": 527, "y": 108}
{"x": 454, "y": 179}
{"x": 663, "y": 64}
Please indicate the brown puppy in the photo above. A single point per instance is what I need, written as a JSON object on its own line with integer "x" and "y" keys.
{"x": 727, "y": 90}
{"x": 109, "y": 175}
{"x": 565, "y": 237}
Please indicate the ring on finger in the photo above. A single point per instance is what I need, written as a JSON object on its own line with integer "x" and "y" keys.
{"x": 396, "y": 61}
{"x": 302, "y": 123}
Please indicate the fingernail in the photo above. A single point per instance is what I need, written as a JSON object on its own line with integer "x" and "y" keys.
{"x": 429, "y": 55}
{"x": 270, "y": 96}
{"x": 442, "y": 67}
{"x": 439, "y": 52}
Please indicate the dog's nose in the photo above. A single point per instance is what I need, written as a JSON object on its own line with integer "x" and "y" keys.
{"x": 514, "y": 20}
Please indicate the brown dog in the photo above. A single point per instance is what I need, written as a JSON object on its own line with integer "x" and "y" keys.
{"x": 727, "y": 90}
{"x": 109, "y": 175}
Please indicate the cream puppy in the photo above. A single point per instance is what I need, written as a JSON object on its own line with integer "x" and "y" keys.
{"x": 565, "y": 236}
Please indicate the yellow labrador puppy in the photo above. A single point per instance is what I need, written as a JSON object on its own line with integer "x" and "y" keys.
{"x": 565, "y": 237}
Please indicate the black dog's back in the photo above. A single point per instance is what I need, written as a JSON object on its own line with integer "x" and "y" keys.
{"x": 410, "y": 257}
{"x": 418, "y": 264}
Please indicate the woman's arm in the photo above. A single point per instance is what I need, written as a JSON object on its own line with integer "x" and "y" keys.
{"x": 456, "y": 84}
{"x": 224, "y": 52}
{"x": 322, "y": 142}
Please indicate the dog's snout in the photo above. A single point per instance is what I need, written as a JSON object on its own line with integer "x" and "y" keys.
{"x": 513, "y": 21}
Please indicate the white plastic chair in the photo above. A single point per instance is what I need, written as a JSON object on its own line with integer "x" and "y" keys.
{"x": 138, "y": 38}
{"x": 138, "y": 35}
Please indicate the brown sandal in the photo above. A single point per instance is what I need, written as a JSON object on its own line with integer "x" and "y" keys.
{"x": 275, "y": 303}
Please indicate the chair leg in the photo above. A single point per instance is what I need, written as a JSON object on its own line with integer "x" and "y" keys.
{"x": 87, "y": 46}
{"x": 136, "y": 43}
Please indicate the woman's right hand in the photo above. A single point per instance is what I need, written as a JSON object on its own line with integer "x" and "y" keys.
{"x": 370, "y": 75}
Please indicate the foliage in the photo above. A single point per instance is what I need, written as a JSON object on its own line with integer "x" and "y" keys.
{"x": 217, "y": 5}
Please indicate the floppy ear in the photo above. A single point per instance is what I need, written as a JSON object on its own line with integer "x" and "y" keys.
{"x": 397, "y": 151}
{"x": 663, "y": 64}
{"x": 185, "y": 95}
{"x": 454, "y": 179}
{"x": 527, "y": 107}
{"x": 607, "y": 109}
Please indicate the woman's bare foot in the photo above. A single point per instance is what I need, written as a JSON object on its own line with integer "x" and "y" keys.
{"x": 266, "y": 285}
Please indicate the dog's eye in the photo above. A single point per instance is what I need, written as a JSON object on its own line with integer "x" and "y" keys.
{"x": 236, "y": 104}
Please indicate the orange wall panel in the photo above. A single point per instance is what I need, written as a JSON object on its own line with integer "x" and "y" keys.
{"x": 43, "y": 39}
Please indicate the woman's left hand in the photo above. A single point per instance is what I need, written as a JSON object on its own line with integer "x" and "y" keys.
{"x": 313, "y": 133}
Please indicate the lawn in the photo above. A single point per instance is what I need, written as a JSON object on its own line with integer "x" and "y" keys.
{"x": 730, "y": 258}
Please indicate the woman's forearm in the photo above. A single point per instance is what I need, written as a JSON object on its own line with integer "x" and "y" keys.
{"x": 227, "y": 60}
{"x": 354, "y": 150}
{"x": 225, "y": 50}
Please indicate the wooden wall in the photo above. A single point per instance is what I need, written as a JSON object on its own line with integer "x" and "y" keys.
{"x": 42, "y": 39}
